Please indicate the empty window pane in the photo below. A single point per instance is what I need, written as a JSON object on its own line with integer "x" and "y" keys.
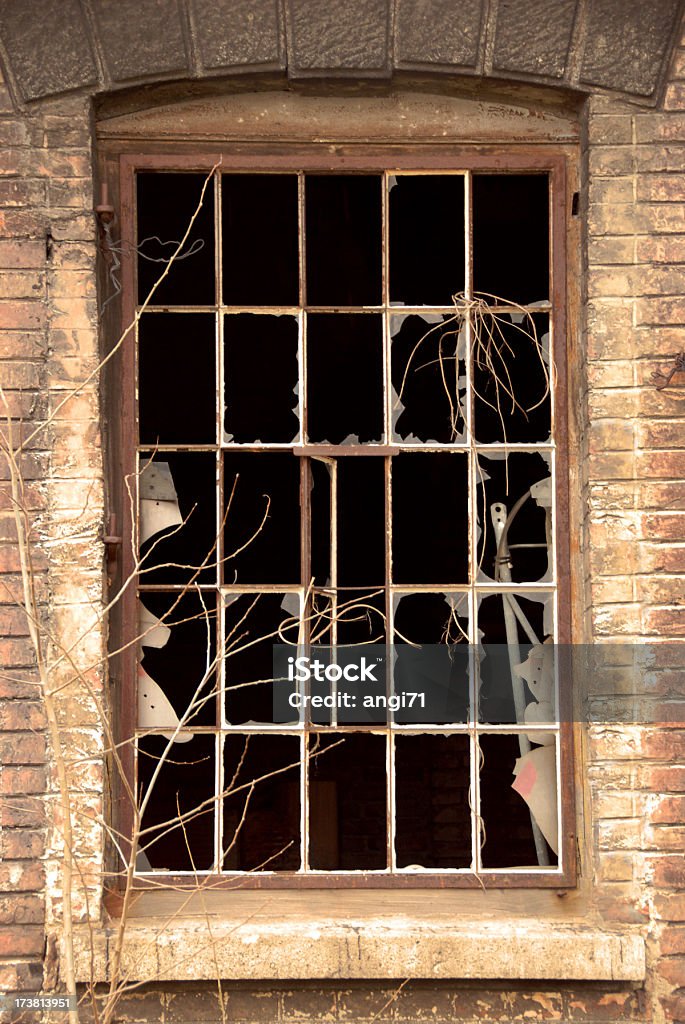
{"x": 511, "y": 236}
{"x": 177, "y": 378}
{"x": 181, "y": 809}
{"x": 260, "y": 248}
{"x": 426, "y": 239}
{"x": 261, "y": 379}
{"x": 428, "y": 378}
{"x": 430, "y": 542}
{"x": 344, "y": 378}
{"x": 347, "y": 807}
{"x": 343, "y": 239}
{"x": 433, "y": 828}
{"x": 178, "y": 516}
{"x": 518, "y": 796}
{"x": 262, "y": 530}
{"x": 166, "y": 204}
{"x": 261, "y": 803}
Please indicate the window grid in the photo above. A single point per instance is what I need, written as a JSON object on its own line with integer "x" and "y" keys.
{"x": 469, "y": 447}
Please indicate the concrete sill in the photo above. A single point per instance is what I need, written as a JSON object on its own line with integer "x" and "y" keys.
{"x": 390, "y": 946}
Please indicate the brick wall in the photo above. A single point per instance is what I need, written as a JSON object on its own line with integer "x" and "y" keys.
{"x": 634, "y": 554}
{"x": 48, "y": 345}
{"x": 635, "y": 491}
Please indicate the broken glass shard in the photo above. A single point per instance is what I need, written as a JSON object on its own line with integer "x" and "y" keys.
{"x": 512, "y": 786}
{"x": 177, "y": 557}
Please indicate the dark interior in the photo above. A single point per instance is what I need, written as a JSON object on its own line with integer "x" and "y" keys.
{"x": 185, "y": 782}
{"x": 433, "y": 825}
{"x": 181, "y": 664}
{"x": 259, "y": 243}
{"x": 177, "y": 378}
{"x": 166, "y": 204}
{"x": 345, "y": 377}
{"x": 428, "y": 381}
{"x": 261, "y": 773}
{"x": 430, "y": 542}
{"x": 347, "y": 809}
{"x": 426, "y": 214}
{"x": 511, "y": 236}
{"x": 261, "y": 378}
{"x": 343, "y": 239}
{"x": 263, "y": 519}
{"x": 509, "y": 839}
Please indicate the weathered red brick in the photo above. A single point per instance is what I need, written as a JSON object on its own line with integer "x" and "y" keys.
{"x": 21, "y": 716}
{"x": 22, "y": 812}
{"x": 21, "y": 844}
{"x": 24, "y": 780}
{"x": 22, "y": 748}
{"x": 21, "y": 876}
{"x": 22, "y": 909}
{"x": 21, "y": 942}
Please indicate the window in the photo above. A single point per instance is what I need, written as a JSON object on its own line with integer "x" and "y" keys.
{"x": 348, "y": 431}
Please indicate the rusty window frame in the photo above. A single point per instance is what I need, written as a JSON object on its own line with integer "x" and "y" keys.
{"x": 426, "y": 158}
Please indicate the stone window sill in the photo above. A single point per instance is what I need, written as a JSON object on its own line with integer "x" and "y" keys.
{"x": 255, "y": 936}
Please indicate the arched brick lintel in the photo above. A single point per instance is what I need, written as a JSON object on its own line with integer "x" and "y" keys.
{"x": 50, "y": 47}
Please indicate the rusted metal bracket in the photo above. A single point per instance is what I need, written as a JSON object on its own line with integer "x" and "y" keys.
{"x": 112, "y": 542}
{"x": 103, "y": 211}
{"x": 661, "y": 380}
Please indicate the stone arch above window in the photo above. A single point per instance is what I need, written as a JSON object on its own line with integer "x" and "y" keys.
{"x": 59, "y": 46}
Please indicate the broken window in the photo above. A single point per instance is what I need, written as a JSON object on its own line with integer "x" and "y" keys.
{"x": 347, "y": 436}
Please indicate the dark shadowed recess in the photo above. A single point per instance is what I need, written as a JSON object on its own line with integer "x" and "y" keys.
{"x": 505, "y": 481}
{"x": 181, "y": 810}
{"x": 345, "y": 378}
{"x": 438, "y": 667}
{"x": 426, "y": 239}
{"x": 262, "y": 531}
{"x": 509, "y": 841}
{"x": 428, "y": 380}
{"x": 252, "y": 625}
{"x": 433, "y": 824}
{"x": 262, "y": 803}
{"x": 347, "y": 804}
{"x": 177, "y": 378}
{"x": 166, "y": 204}
{"x": 259, "y": 239}
{"x": 261, "y": 378}
{"x": 175, "y": 556}
{"x": 511, "y": 236}
{"x": 430, "y": 541}
{"x": 343, "y": 239}
{"x": 181, "y": 664}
